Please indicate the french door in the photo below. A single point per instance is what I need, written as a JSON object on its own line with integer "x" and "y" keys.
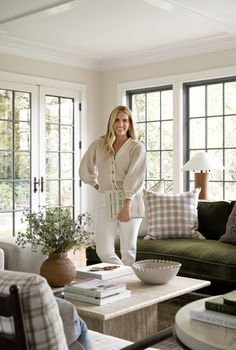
{"x": 39, "y": 152}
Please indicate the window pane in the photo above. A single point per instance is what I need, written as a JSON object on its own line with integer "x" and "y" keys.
{"x": 216, "y": 174}
{"x": 153, "y": 165}
{"x": 230, "y": 164}
{"x": 214, "y": 132}
{"x": 52, "y": 109}
{"x": 66, "y": 111}
{"x": 197, "y": 133}
{"x": 197, "y": 101}
{"x": 22, "y": 136}
{"x": 6, "y": 170}
{"x": 167, "y": 135}
{"x": 66, "y": 165}
{"x": 66, "y": 138}
{"x": 153, "y": 135}
{"x": 5, "y": 135}
{"x": 167, "y": 104}
{"x": 215, "y": 190}
{"x": 167, "y": 165}
{"x": 52, "y": 194}
{"x": 230, "y": 127}
{"x": 52, "y": 135}
{"x": 5, "y": 104}
{"x": 5, "y": 195}
{"x": 19, "y": 225}
{"x": 230, "y": 98}
{"x": 22, "y": 165}
{"x": 22, "y": 106}
{"x": 153, "y": 106}
{"x": 52, "y": 160}
{"x": 6, "y": 224}
{"x": 138, "y": 107}
{"x": 215, "y": 99}
{"x": 230, "y": 190}
{"x": 22, "y": 195}
{"x": 66, "y": 193}
{"x": 141, "y": 132}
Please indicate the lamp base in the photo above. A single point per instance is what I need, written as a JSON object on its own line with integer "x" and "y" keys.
{"x": 201, "y": 180}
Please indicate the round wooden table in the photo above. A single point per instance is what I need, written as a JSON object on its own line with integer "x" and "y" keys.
{"x": 197, "y": 335}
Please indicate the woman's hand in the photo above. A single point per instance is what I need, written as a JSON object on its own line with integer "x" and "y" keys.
{"x": 125, "y": 213}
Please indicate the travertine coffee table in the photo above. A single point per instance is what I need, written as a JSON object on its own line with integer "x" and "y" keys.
{"x": 135, "y": 317}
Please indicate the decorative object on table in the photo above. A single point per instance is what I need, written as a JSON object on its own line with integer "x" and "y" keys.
{"x": 56, "y": 233}
{"x": 115, "y": 202}
{"x": 156, "y": 271}
{"x": 230, "y": 298}
{"x": 104, "y": 271}
{"x": 95, "y": 291}
{"x": 220, "y": 304}
{"x": 201, "y": 163}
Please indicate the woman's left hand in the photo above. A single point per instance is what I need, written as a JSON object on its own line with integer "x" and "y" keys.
{"x": 125, "y": 213}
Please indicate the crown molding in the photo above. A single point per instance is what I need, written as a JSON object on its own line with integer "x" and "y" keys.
{"x": 12, "y": 46}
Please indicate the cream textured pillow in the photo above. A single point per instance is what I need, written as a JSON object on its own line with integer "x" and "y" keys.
{"x": 173, "y": 215}
{"x": 230, "y": 230}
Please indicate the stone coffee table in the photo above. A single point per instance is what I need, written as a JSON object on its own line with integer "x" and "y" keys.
{"x": 135, "y": 317}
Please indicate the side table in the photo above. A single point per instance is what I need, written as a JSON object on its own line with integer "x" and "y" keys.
{"x": 197, "y": 335}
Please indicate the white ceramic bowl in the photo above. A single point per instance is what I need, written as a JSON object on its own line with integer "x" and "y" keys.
{"x": 156, "y": 271}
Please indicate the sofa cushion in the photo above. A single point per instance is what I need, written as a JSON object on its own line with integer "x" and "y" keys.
{"x": 230, "y": 234}
{"x": 206, "y": 259}
{"x": 172, "y": 215}
{"x": 212, "y": 217}
{"x": 43, "y": 323}
{"x": 159, "y": 187}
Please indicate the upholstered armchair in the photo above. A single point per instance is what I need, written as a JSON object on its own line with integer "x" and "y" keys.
{"x": 49, "y": 324}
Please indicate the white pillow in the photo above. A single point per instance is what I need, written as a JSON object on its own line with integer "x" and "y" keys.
{"x": 158, "y": 187}
{"x": 172, "y": 215}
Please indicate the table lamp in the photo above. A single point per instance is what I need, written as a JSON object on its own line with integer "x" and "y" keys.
{"x": 201, "y": 163}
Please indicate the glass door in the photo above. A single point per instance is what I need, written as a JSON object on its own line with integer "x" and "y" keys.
{"x": 59, "y": 149}
{"x": 17, "y": 124}
{"x": 39, "y": 152}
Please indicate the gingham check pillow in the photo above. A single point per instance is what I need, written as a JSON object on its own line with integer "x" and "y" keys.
{"x": 44, "y": 328}
{"x": 172, "y": 215}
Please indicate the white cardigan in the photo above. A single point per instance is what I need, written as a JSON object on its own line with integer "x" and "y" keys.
{"x": 125, "y": 170}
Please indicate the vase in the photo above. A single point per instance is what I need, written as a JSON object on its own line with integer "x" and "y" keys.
{"x": 58, "y": 269}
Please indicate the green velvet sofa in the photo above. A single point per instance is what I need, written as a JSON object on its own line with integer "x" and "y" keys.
{"x": 207, "y": 259}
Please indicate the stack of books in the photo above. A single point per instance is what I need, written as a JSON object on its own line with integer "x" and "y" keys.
{"x": 95, "y": 291}
{"x": 104, "y": 271}
{"x": 220, "y": 310}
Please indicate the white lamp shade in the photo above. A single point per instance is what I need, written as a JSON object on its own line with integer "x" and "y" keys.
{"x": 202, "y": 161}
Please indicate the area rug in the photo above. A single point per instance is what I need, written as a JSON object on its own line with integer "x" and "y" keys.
{"x": 166, "y": 317}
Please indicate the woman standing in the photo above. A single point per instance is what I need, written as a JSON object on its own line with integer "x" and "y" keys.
{"x": 116, "y": 161}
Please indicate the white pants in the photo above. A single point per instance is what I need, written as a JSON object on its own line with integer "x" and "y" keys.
{"x": 107, "y": 230}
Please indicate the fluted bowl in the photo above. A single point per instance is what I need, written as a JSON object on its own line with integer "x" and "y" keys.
{"x": 156, "y": 271}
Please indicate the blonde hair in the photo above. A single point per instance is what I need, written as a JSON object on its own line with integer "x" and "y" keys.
{"x": 109, "y": 136}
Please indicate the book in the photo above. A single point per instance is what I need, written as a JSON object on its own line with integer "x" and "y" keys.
{"x": 95, "y": 300}
{"x": 218, "y": 304}
{"x": 96, "y": 288}
{"x": 115, "y": 202}
{"x": 213, "y": 317}
{"x": 104, "y": 271}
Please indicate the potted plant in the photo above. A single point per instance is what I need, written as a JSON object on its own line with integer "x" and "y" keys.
{"x": 56, "y": 233}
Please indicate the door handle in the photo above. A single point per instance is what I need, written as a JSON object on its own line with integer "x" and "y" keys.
{"x": 36, "y": 183}
{"x": 42, "y": 184}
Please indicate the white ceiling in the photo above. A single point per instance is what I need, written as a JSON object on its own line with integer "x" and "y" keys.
{"x": 110, "y": 34}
